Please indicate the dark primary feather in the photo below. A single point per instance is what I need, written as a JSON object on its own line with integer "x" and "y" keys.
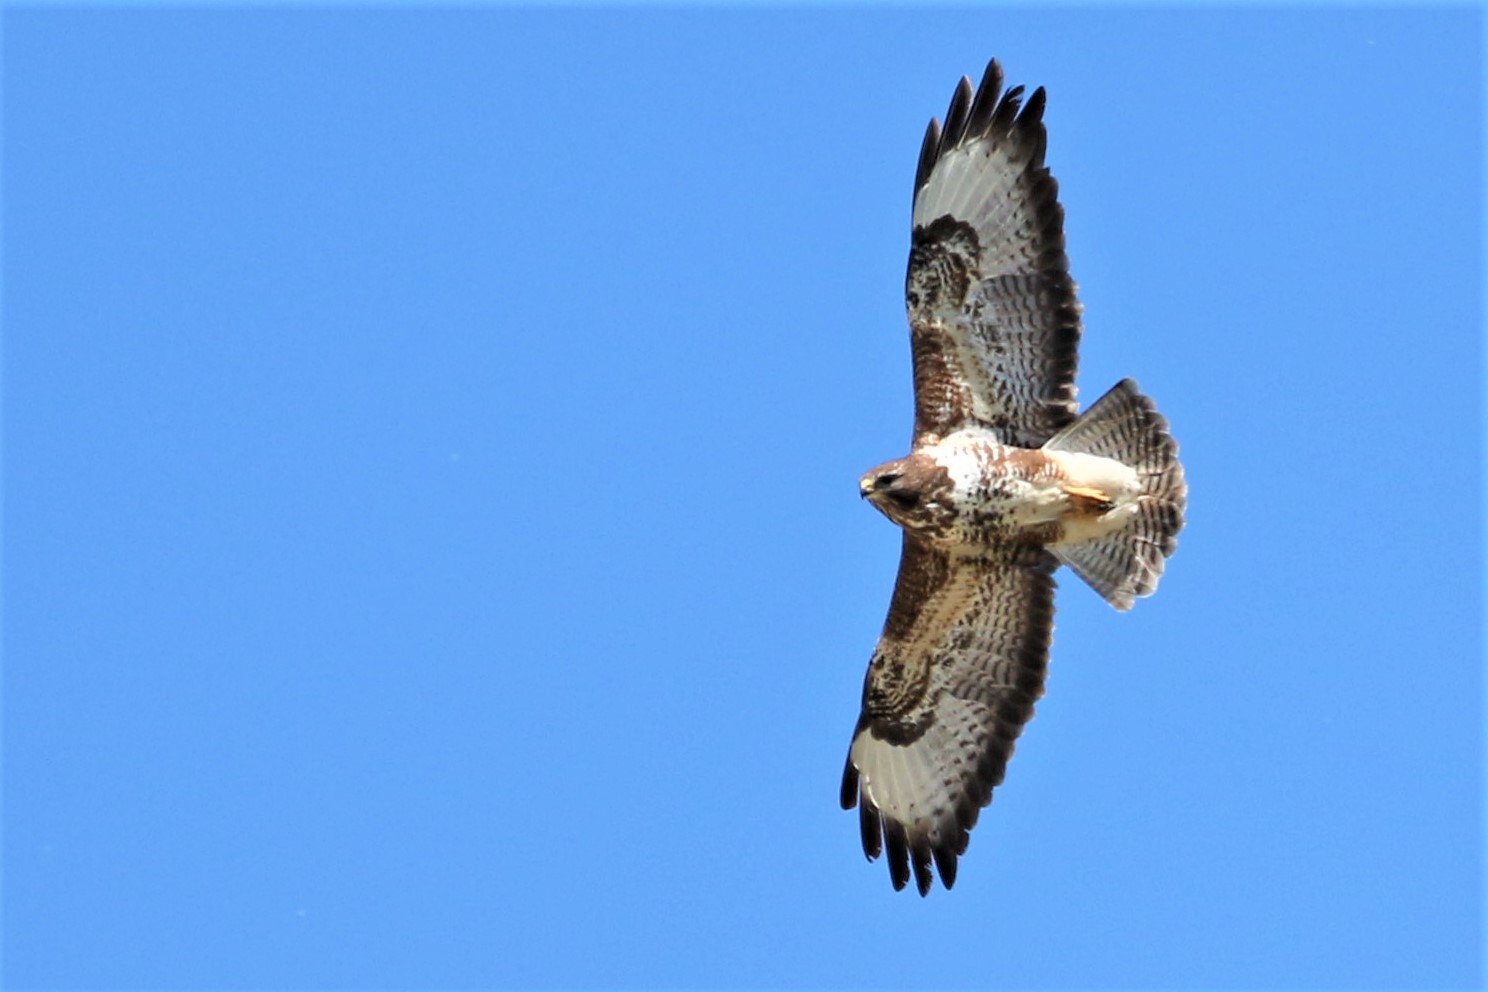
{"x": 956, "y": 115}
{"x": 986, "y": 101}
{"x": 929, "y": 153}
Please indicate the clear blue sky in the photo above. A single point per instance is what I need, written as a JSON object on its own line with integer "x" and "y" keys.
{"x": 433, "y": 555}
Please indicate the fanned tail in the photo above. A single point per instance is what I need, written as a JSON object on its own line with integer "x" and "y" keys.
{"x": 1125, "y": 426}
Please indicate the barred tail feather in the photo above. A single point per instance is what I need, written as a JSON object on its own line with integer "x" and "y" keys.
{"x": 1127, "y": 564}
{"x": 1125, "y": 426}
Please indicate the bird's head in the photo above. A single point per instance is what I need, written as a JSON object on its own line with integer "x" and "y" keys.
{"x": 913, "y": 492}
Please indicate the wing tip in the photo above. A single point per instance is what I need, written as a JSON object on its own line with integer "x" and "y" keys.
{"x": 957, "y": 116}
{"x": 871, "y": 829}
{"x": 985, "y": 104}
{"x": 849, "y": 793}
{"x": 986, "y": 109}
{"x": 913, "y": 855}
{"x": 929, "y": 154}
{"x": 920, "y": 859}
{"x": 897, "y": 842}
{"x": 945, "y": 864}
{"x": 924, "y": 850}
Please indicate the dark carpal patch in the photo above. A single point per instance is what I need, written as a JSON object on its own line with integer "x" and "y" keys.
{"x": 943, "y": 260}
{"x": 881, "y": 713}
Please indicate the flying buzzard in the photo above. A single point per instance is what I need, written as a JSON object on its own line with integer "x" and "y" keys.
{"x": 1003, "y": 483}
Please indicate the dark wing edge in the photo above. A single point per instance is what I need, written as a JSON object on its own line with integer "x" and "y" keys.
{"x": 994, "y": 315}
{"x": 985, "y": 111}
{"x": 951, "y": 685}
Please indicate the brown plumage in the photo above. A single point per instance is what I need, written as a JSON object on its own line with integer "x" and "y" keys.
{"x": 1002, "y": 484}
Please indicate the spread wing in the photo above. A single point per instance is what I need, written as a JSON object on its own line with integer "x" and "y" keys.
{"x": 994, "y": 322}
{"x": 951, "y": 684}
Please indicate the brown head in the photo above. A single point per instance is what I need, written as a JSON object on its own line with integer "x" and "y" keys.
{"x": 915, "y": 492}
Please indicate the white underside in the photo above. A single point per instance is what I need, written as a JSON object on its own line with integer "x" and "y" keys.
{"x": 969, "y": 456}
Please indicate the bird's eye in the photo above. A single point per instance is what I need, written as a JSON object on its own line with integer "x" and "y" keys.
{"x": 886, "y": 480}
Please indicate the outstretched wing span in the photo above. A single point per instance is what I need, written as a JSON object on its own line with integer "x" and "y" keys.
{"x": 953, "y": 680}
{"x": 994, "y": 322}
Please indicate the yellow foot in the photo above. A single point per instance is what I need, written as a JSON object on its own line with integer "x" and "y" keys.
{"x": 1086, "y": 500}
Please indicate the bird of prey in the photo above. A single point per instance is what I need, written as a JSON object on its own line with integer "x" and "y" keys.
{"x": 1003, "y": 483}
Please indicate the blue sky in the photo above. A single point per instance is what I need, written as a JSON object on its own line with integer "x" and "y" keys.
{"x": 432, "y": 548}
